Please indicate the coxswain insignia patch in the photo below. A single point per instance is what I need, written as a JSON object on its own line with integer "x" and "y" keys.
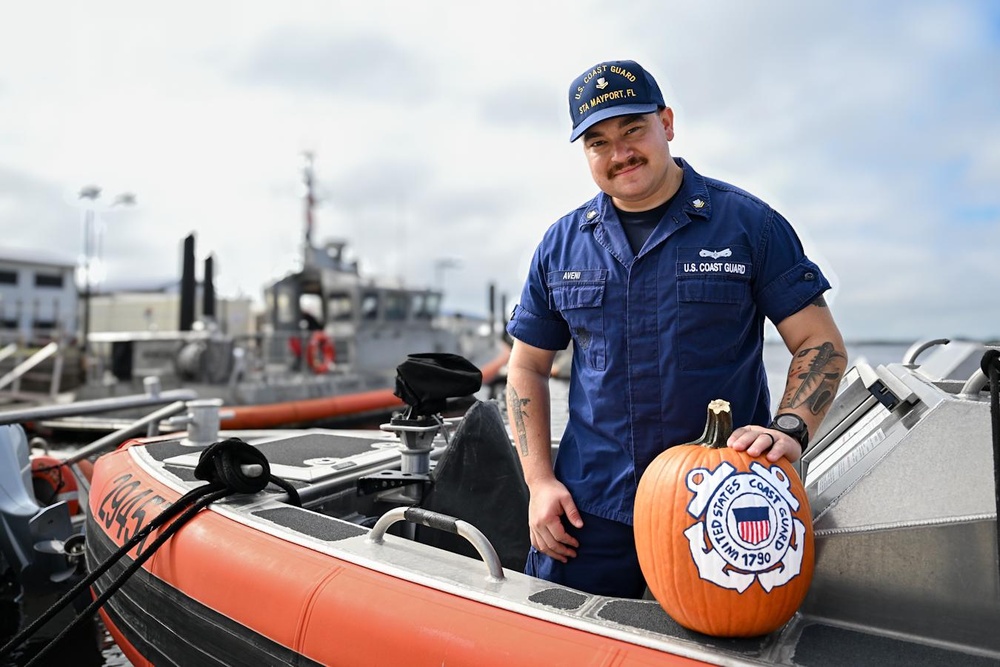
{"x": 746, "y": 529}
{"x": 716, "y": 254}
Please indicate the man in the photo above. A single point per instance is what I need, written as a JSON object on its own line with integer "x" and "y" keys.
{"x": 662, "y": 282}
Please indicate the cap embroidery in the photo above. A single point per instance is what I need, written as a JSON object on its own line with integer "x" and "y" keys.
{"x": 603, "y": 83}
{"x": 586, "y": 79}
{"x": 608, "y": 89}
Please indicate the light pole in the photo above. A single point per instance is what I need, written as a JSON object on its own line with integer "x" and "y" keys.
{"x": 90, "y": 247}
{"x": 440, "y": 266}
{"x": 92, "y": 193}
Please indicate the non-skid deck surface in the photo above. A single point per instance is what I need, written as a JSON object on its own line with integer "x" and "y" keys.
{"x": 292, "y": 451}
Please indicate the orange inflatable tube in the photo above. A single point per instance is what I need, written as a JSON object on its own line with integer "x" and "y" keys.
{"x": 283, "y": 603}
{"x": 316, "y": 409}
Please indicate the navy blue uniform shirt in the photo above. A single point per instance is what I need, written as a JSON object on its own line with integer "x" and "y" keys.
{"x": 658, "y": 334}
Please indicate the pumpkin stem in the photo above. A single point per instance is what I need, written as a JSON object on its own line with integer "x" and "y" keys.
{"x": 718, "y": 426}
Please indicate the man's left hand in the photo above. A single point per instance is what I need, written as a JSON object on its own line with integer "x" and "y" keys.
{"x": 757, "y": 441}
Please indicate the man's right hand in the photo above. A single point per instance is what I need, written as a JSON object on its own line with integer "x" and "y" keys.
{"x": 550, "y": 501}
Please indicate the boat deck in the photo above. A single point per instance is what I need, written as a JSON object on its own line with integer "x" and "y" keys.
{"x": 325, "y": 467}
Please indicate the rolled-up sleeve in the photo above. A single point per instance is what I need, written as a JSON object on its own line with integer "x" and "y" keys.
{"x": 792, "y": 281}
{"x": 533, "y": 321}
{"x": 541, "y": 332}
{"x": 793, "y": 290}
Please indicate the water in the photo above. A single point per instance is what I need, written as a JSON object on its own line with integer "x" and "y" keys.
{"x": 777, "y": 359}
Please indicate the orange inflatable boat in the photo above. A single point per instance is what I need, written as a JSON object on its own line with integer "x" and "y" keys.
{"x": 256, "y": 580}
{"x": 404, "y": 546}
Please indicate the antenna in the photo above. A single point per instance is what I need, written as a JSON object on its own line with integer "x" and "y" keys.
{"x": 310, "y": 201}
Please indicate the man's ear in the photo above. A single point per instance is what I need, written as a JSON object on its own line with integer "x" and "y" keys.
{"x": 667, "y": 118}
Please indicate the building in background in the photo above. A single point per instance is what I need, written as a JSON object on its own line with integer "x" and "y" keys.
{"x": 156, "y": 306}
{"x": 39, "y": 302}
{"x": 38, "y": 296}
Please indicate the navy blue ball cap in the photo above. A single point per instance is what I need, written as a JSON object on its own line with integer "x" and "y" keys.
{"x": 609, "y": 89}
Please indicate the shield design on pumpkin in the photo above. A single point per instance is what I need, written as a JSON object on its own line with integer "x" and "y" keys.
{"x": 753, "y": 523}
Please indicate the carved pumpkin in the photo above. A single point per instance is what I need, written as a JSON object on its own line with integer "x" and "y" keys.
{"x": 724, "y": 540}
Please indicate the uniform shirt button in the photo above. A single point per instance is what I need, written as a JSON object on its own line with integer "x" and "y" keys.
{"x": 809, "y": 275}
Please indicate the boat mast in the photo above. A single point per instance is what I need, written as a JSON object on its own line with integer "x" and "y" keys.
{"x": 310, "y": 204}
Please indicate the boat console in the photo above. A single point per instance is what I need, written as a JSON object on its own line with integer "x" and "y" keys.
{"x": 900, "y": 480}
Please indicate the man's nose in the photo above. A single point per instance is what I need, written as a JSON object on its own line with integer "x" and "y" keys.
{"x": 621, "y": 150}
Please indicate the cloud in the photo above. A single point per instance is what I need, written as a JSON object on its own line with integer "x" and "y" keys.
{"x": 870, "y": 129}
{"x": 33, "y": 208}
{"x": 356, "y": 66}
{"x": 440, "y": 131}
{"x": 524, "y": 106}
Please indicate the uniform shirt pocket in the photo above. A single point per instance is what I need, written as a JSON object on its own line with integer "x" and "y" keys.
{"x": 578, "y": 295}
{"x": 713, "y": 304}
{"x": 710, "y": 325}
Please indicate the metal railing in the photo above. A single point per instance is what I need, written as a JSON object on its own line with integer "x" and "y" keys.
{"x": 13, "y": 377}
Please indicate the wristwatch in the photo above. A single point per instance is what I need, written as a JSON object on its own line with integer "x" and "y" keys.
{"x": 791, "y": 424}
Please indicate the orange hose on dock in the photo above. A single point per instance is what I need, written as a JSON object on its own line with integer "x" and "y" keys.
{"x": 317, "y": 409}
{"x": 313, "y": 409}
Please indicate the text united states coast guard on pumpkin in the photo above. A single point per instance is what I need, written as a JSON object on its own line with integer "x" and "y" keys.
{"x": 748, "y": 519}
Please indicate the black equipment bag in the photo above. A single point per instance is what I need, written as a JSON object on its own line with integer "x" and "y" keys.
{"x": 426, "y": 381}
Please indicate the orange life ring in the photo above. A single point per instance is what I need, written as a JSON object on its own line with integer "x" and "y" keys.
{"x": 320, "y": 354}
{"x": 52, "y": 481}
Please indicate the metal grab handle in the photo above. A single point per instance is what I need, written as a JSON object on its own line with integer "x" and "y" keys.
{"x": 975, "y": 384}
{"x": 910, "y": 356}
{"x": 441, "y": 522}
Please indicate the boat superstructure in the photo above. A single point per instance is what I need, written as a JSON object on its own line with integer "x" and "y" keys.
{"x": 327, "y": 332}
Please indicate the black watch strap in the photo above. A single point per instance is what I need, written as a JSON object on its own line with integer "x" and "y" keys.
{"x": 792, "y": 425}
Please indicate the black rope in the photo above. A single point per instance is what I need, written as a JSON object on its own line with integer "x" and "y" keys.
{"x": 224, "y": 460}
{"x": 293, "y": 494}
{"x": 991, "y": 367}
{"x": 61, "y": 483}
{"x": 174, "y": 509}
{"x": 51, "y": 466}
{"x": 115, "y": 585}
{"x": 220, "y": 465}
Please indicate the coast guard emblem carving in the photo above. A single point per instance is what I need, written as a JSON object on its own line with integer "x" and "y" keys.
{"x": 746, "y": 528}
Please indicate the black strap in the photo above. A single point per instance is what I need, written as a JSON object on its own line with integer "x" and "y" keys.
{"x": 991, "y": 367}
{"x": 220, "y": 466}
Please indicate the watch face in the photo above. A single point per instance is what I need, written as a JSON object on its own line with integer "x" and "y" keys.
{"x": 788, "y": 421}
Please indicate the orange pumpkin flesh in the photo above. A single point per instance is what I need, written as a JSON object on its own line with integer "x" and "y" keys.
{"x": 724, "y": 540}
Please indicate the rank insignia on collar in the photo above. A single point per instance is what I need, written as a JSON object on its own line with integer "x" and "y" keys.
{"x": 698, "y": 203}
{"x": 591, "y": 214}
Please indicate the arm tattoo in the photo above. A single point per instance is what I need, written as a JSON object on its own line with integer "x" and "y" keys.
{"x": 516, "y": 405}
{"x": 820, "y": 301}
{"x": 818, "y": 371}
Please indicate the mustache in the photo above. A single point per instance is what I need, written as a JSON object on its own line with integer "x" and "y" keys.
{"x": 616, "y": 169}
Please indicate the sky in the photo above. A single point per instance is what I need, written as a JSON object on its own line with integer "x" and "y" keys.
{"x": 440, "y": 132}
